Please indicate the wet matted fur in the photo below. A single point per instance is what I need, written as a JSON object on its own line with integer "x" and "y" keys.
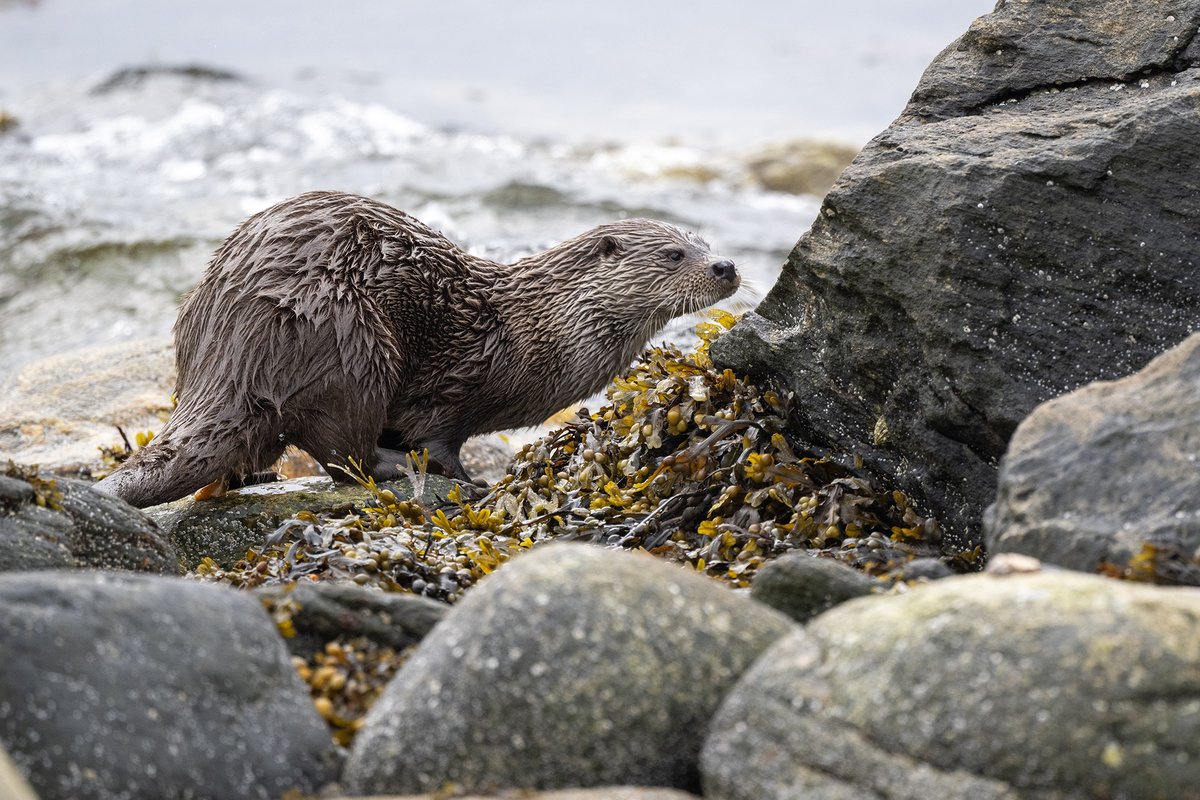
{"x": 350, "y": 329}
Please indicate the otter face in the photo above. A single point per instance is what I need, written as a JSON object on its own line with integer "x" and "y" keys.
{"x": 674, "y": 269}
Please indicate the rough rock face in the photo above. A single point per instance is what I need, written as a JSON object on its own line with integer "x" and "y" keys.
{"x": 132, "y": 686}
{"x": 602, "y": 793}
{"x": 572, "y": 666}
{"x": 1053, "y": 685}
{"x": 76, "y": 527}
{"x": 326, "y": 610}
{"x": 1094, "y": 475}
{"x": 1026, "y": 226}
{"x": 56, "y": 412}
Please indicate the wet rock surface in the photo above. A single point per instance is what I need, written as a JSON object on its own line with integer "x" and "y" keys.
{"x": 146, "y": 687}
{"x": 1025, "y": 227}
{"x": 224, "y": 528}
{"x": 48, "y": 523}
{"x": 58, "y": 412}
{"x": 1108, "y": 476}
{"x": 1047, "y": 685}
{"x": 570, "y": 666}
{"x": 803, "y": 586}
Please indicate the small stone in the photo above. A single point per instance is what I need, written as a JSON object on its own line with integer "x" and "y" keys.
{"x": 803, "y": 586}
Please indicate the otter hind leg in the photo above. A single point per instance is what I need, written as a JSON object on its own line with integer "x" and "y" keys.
{"x": 391, "y": 457}
{"x": 335, "y": 442}
{"x": 389, "y": 464}
{"x": 444, "y": 453}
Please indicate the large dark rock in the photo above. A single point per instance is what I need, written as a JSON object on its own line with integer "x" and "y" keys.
{"x": 48, "y": 523}
{"x": 1052, "y": 685}
{"x": 602, "y": 793}
{"x": 1095, "y": 476}
{"x": 1026, "y": 226}
{"x": 134, "y": 686}
{"x": 572, "y": 666}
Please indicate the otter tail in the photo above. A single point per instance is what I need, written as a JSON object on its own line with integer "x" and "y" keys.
{"x": 190, "y": 453}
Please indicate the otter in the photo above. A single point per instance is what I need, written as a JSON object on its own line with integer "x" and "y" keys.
{"x": 348, "y": 328}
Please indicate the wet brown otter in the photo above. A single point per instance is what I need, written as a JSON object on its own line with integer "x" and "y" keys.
{"x": 348, "y": 328}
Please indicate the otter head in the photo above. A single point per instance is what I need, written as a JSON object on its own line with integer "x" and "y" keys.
{"x": 663, "y": 271}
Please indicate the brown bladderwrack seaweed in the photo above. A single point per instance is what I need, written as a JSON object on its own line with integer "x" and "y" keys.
{"x": 687, "y": 462}
{"x": 345, "y": 677}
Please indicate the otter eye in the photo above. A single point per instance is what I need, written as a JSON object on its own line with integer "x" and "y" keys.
{"x": 675, "y": 255}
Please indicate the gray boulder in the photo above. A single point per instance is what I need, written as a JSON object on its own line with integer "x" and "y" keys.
{"x": 803, "y": 586}
{"x": 74, "y": 526}
{"x": 603, "y": 793}
{"x": 1095, "y": 476}
{"x": 134, "y": 686}
{"x": 1051, "y": 685}
{"x": 1026, "y": 226}
{"x": 572, "y": 666}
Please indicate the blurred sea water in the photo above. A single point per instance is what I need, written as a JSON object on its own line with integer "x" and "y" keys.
{"x": 142, "y": 132}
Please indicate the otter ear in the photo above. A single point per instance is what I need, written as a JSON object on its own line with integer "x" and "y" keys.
{"x": 609, "y": 245}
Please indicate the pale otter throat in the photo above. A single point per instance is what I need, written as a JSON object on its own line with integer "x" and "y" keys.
{"x": 346, "y": 327}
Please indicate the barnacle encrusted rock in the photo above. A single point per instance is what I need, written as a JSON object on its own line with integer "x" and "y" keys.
{"x": 572, "y": 665}
{"x": 974, "y": 687}
{"x": 50, "y": 522}
{"x": 135, "y": 686}
{"x": 223, "y": 529}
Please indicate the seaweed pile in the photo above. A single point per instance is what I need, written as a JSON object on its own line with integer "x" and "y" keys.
{"x": 345, "y": 677}
{"x": 687, "y": 462}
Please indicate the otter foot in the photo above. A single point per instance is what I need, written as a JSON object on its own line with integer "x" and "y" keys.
{"x": 213, "y": 490}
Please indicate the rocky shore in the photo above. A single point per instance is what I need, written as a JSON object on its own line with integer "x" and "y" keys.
{"x": 926, "y": 524}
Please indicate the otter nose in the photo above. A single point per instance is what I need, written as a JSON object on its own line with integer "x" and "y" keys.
{"x": 723, "y": 270}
